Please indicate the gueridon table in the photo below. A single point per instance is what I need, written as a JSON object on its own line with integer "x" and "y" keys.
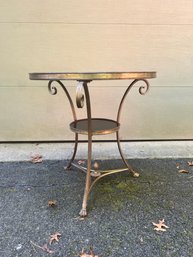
{"x": 94, "y": 126}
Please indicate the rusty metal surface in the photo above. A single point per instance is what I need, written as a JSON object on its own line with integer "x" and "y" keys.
{"x": 92, "y": 75}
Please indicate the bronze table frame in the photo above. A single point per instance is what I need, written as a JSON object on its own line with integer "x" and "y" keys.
{"x": 88, "y": 126}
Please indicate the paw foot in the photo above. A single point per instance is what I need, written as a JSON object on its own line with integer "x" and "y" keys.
{"x": 68, "y": 167}
{"x": 135, "y": 174}
{"x": 83, "y": 213}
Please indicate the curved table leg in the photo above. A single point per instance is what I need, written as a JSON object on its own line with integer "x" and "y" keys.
{"x": 83, "y": 211}
{"x": 74, "y": 153}
{"x": 130, "y": 169}
{"x": 142, "y": 90}
{"x": 53, "y": 90}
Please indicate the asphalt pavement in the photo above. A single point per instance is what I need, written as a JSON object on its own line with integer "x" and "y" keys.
{"x": 38, "y": 200}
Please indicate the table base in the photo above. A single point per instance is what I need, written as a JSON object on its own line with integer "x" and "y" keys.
{"x": 94, "y": 126}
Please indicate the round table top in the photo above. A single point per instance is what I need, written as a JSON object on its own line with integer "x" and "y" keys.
{"x": 88, "y": 76}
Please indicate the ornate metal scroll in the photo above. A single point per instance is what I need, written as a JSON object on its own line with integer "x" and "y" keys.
{"x": 53, "y": 91}
{"x": 80, "y": 95}
{"x": 142, "y": 90}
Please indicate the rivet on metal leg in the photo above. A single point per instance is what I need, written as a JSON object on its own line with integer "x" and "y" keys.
{"x": 95, "y": 172}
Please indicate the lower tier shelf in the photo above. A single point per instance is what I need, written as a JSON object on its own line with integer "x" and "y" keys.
{"x": 99, "y": 126}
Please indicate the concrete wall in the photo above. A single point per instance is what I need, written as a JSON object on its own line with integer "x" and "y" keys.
{"x": 104, "y": 35}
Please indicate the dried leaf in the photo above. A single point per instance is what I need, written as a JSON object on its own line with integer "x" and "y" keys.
{"x": 55, "y": 237}
{"x": 160, "y": 226}
{"x": 81, "y": 162}
{"x": 84, "y": 254}
{"x": 36, "y": 158}
{"x": 183, "y": 171}
{"x": 190, "y": 163}
{"x": 52, "y": 203}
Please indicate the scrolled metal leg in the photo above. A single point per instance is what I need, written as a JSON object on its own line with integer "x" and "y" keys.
{"x": 142, "y": 90}
{"x": 53, "y": 91}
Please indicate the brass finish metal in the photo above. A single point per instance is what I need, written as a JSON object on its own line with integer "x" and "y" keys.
{"x": 106, "y": 173}
{"x": 92, "y": 76}
{"x": 79, "y": 95}
{"x": 83, "y": 211}
{"x": 94, "y": 126}
{"x": 142, "y": 90}
{"x": 53, "y": 91}
{"x": 105, "y": 126}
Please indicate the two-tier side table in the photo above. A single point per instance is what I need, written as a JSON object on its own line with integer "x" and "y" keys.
{"x": 94, "y": 126}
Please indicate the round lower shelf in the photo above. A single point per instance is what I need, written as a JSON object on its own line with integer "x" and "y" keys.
{"x": 99, "y": 126}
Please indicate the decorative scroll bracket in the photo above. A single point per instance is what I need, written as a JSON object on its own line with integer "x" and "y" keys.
{"x": 80, "y": 95}
{"x": 53, "y": 91}
{"x": 142, "y": 90}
